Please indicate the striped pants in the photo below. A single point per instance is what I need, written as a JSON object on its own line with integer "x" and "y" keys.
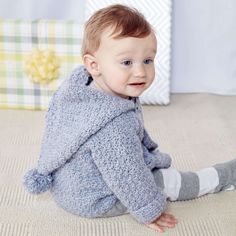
{"x": 178, "y": 185}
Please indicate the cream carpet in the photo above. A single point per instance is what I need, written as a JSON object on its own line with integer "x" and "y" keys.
{"x": 197, "y": 130}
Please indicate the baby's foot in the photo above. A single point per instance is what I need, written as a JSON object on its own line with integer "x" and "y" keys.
{"x": 227, "y": 175}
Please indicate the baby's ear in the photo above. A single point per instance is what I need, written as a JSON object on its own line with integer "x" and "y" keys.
{"x": 91, "y": 64}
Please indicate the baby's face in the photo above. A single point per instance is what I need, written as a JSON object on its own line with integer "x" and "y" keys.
{"x": 126, "y": 65}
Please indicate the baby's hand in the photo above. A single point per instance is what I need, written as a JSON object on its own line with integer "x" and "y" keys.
{"x": 164, "y": 220}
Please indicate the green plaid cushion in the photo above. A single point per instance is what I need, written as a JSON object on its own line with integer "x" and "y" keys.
{"x": 17, "y": 39}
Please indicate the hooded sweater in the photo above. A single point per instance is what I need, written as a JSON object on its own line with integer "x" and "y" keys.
{"x": 95, "y": 151}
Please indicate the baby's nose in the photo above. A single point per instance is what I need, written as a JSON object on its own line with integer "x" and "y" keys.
{"x": 139, "y": 71}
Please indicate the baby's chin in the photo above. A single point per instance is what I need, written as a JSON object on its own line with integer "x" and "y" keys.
{"x": 133, "y": 95}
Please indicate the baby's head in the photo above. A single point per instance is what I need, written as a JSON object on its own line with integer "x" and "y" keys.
{"x": 119, "y": 49}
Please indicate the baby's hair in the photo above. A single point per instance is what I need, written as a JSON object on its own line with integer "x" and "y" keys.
{"x": 126, "y": 22}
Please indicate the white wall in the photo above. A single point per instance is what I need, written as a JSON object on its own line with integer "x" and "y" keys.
{"x": 204, "y": 46}
{"x": 48, "y": 9}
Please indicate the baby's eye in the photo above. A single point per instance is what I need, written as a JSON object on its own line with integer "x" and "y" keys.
{"x": 148, "y": 61}
{"x": 127, "y": 62}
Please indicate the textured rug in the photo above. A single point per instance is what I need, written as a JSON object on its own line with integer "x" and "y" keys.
{"x": 197, "y": 130}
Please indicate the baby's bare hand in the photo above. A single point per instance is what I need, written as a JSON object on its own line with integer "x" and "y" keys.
{"x": 164, "y": 220}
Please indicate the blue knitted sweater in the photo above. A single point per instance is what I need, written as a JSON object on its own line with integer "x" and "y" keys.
{"x": 95, "y": 151}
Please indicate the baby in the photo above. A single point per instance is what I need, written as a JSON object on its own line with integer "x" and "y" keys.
{"x": 96, "y": 157}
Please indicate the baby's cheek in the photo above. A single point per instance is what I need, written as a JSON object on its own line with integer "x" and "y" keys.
{"x": 152, "y": 75}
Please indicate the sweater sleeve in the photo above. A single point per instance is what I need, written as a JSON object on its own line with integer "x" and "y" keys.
{"x": 148, "y": 142}
{"x": 152, "y": 156}
{"x": 156, "y": 159}
{"x": 117, "y": 152}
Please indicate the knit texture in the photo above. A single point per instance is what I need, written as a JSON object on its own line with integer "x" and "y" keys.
{"x": 97, "y": 151}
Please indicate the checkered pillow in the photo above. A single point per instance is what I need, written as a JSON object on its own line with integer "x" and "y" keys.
{"x": 17, "y": 39}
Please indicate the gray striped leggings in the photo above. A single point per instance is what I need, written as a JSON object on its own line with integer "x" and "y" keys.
{"x": 179, "y": 185}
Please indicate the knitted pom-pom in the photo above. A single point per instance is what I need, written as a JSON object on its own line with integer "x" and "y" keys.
{"x": 37, "y": 183}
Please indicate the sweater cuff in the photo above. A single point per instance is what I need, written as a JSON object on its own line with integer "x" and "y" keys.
{"x": 150, "y": 212}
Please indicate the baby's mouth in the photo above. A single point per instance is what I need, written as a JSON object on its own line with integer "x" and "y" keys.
{"x": 137, "y": 84}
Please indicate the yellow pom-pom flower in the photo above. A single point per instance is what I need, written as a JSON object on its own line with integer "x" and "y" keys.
{"x": 42, "y": 65}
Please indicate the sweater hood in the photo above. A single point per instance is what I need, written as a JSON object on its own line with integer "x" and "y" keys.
{"x": 76, "y": 112}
